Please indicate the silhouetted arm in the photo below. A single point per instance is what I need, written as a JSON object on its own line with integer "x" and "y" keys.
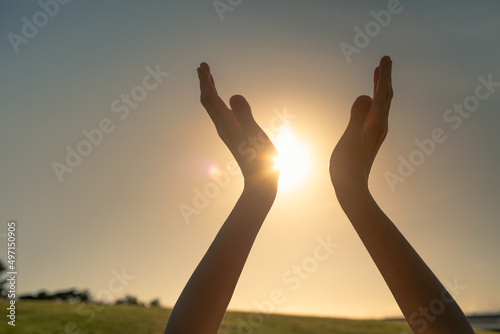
{"x": 203, "y": 302}
{"x": 411, "y": 282}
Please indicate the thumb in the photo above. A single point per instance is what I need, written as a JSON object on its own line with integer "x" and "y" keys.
{"x": 359, "y": 113}
{"x": 242, "y": 112}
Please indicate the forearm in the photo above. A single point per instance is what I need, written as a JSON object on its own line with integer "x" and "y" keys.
{"x": 410, "y": 280}
{"x": 204, "y": 300}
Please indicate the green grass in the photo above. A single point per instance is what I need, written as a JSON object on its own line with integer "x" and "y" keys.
{"x": 57, "y": 318}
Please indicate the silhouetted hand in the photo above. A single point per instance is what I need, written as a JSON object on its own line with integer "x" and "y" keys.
{"x": 204, "y": 300}
{"x": 353, "y": 157}
{"x": 251, "y": 147}
{"x": 411, "y": 281}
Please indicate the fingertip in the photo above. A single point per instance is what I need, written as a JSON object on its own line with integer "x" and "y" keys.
{"x": 362, "y": 104}
{"x": 237, "y": 101}
{"x": 385, "y": 59}
{"x": 386, "y": 62}
{"x": 359, "y": 113}
{"x": 203, "y": 70}
{"x": 205, "y": 66}
{"x": 363, "y": 100}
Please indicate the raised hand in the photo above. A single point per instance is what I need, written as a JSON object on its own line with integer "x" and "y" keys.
{"x": 412, "y": 283}
{"x": 203, "y": 302}
{"x": 353, "y": 157}
{"x": 253, "y": 150}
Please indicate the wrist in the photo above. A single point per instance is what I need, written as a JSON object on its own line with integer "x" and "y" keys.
{"x": 261, "y": 190}
{"x": 262, "y": 182}
{"x": 356, "y": 202}
{"x": 347, "y": 181}
{"x": 343, "y": 186}
{"x": 349, "y": 191}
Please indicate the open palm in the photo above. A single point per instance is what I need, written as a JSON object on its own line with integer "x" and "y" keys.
{"x": 353, "y": 157}
{"x": 251, "y": 147}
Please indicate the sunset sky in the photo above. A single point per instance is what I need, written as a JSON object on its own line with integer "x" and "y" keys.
{"x": 153, "y": 184}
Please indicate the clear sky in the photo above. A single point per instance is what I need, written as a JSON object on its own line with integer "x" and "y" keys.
{"x": 118, "y": 208}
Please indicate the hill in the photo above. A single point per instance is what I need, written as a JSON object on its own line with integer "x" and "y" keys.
{"x": 57, "y": 318}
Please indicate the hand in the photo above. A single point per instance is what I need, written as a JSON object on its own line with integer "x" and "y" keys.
{"x": 251, "y": 147}
{"x": 355, "y": 152}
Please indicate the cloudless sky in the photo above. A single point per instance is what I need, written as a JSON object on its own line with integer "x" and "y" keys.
{"x": 119, "y": 209}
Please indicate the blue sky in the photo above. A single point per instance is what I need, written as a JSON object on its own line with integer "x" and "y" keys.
{"x": 118, "y": 210}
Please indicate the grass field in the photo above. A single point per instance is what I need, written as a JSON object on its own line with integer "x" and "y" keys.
{"x": 58, "y": 318}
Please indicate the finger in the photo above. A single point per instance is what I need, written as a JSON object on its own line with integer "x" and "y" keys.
{"x": 359, "y": 113}
{"x": 209, "y": 110}
{"x": 384, "y": 59}
{"x": 383, "y": 87}
{"x": 207, "y": 68}
{"x": 243, "y": 113}
{"x": 203, "y": 100}
{"x": 207, "y": 87}
{"x": 209, "y": 98}
{"x": 375, "y": 79}
{"x": 379, "y": 115}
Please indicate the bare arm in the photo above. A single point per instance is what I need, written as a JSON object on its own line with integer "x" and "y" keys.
{"x": 203, "y": 302}
{"x": 411, "y": 282}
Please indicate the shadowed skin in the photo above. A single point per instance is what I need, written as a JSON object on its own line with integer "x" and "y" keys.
{"x": 203, "y": 302}
{"x": 411, "y": 282}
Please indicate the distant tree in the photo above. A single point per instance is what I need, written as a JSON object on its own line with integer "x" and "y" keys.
{"x": 154, "y": 303}
{"x": 65, "y": 295}
{"x": 129, "y": 300}
{"x": 70, "y": 295}
{"x": 44, "y": 295}
{"x": 27, "y": 296}
{"x": 3, "y": 289}
{"x": 84, "y": 296}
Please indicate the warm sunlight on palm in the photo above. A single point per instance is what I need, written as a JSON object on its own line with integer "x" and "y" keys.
{"x": 292, "y": 161}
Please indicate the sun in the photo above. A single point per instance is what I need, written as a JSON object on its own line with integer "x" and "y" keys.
{"x": 292, "y": 160}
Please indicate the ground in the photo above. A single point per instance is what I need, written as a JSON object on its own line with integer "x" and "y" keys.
{"x": 63, "y": 318}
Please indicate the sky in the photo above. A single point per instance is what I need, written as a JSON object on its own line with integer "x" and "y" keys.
{"x": 118, "y": 182}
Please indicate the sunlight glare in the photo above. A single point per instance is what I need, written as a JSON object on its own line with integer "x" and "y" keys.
{"x": 292, "y": 160}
